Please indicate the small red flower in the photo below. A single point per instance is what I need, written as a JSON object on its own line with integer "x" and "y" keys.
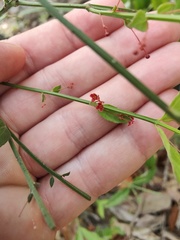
{"x": 96, "y": 99}
{"x": 100, "y": 106}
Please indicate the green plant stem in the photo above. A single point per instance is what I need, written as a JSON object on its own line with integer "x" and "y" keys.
{"x": 87, "y": 7}
{"x": 49, "y": 170}
{"x": 44, "y": 211}
{"x": 122, "y": 13}
{"x": 107, "y": 107}
{"x": 6, "y": 7}
{"x": 55, "y": 4}
{"x": 127, "y": 15}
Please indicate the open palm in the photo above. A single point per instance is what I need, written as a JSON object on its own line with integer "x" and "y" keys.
{"x": 68, "y": 136}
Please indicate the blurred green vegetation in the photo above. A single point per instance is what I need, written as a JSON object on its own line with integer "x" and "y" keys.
{"x": 148, "y": 4}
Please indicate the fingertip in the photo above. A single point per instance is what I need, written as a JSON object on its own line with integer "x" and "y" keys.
{"x": 12, "y": 60}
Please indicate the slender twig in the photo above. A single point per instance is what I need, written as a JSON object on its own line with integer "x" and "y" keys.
{"x": 49, "y": 170}
{"x": 87, "y": 7}
{"x": 84, "y": 101}
{"x": 127, "y": 15}
{"x": 123, "y": 13}
{"x": 50, "y": 222}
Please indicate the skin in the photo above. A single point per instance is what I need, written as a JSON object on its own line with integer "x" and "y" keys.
{"x": 71, "y": 136}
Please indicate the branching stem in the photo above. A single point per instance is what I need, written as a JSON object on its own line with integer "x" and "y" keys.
{"x": 49, "y": 170}
{"x": 123, "y": 13}
{"x": 50, "y": 222}
{"x": 84, "y": 101}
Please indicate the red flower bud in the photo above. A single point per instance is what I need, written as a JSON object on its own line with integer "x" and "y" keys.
{"x": 100, "y": 106}
{"x": 94, "y": 97}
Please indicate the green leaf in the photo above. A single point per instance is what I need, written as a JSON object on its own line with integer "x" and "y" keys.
{"x": 51, "y": 181}
{"x": 140, "y": 4}
{"x": 87, "y": 235}
{"x": 100, "y": 204}
{"x": 29, "y": 198}
{"x": 112, "y": 116}
{"x": 57, "y": 89}
{"x": 175, "y": 106}
{"x": 151, "y": 162}
{"x": 147, "y": 176}
{"x": 65, "y": 174}
{"x": 117, "y": 198}
{"x": 43, "y": 97}
{"x": 172, "y": 152}
{"x": 177, "y": 4}
{"x": 4, "y": 133}
{"x": 166, "y": 7}
{"x": 139, "y": 21}
{"x": 110, "y": 232}
{"x": 79, "y": 235}
{"x": 157, "y": 3}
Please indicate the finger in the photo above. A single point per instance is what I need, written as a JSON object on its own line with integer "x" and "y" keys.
{"x": 24, "y": 223}
{"x": 76, "y": 126}
{"x": 104, "y": 164}
{"x": 52, "y": 41}
{"x": 12, "y": 59}
{"x": 91, "y": 72}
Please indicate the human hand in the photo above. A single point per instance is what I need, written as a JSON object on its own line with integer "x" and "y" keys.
{"x": 71, "y": 136}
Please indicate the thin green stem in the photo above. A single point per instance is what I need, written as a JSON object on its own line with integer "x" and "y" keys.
{"x": 127, "y": 15}
{"x": 122, "y": 13}
{"x": 44, "y": 211}
{"x": 38, "y": 90}
{"x": 144, "y": 118}
{"x": 49, "y": 170}
{"x": 7, "y": 6}
{"x": 55, "y": 4}
{"x": 106, "y": 107}
{"x": 87, "y": 7}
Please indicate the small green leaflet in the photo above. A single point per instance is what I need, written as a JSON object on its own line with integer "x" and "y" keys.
{"x": 147, "y": 176}
{"x": 65, "y": 174}
{"x": 139, "y": 21}
{"x": 172, "y": 152}
{"x": 4, "y": 133}
{"x": 157, "y": 3}
{"x": 43, "y": 97}
{"x": 84, "y": 234}
{"x": 112, "y": 116}
{"x": 30, "y": 196}
{"x": 57, "y": 89}
{"x": 51, "y": 181}
{"x": 166, "y": 7}
{"x": 174, "y": 106}
{"x": 116, "y": 199}
{"x": 177, "y": 4}
{"x": 100, "y": 205}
